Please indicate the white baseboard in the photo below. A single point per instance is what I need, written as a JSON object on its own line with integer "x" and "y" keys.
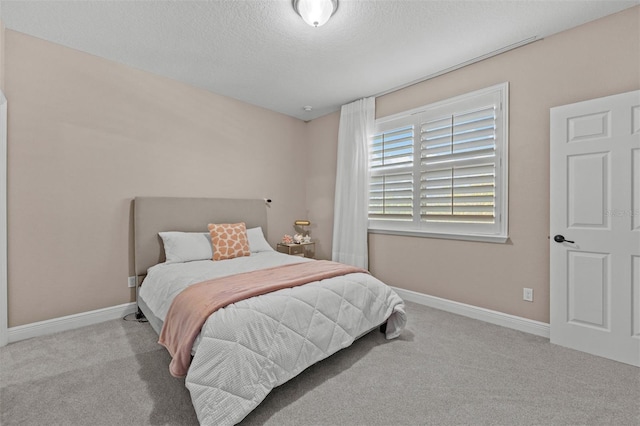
{"x": 55, "y": 325}
{"x": 43, "y": 328}
{"x": 487, "y": 315}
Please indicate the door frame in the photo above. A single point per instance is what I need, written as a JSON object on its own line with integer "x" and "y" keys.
{"x": 4, "y": 311}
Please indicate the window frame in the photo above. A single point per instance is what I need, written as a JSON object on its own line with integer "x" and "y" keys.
{"x": 496, "y": 232}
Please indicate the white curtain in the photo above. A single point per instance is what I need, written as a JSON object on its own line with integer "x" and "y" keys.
{"x": 352, "y": 183}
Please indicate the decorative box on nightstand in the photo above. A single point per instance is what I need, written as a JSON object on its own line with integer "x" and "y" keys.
{"x": 302, "y": 249}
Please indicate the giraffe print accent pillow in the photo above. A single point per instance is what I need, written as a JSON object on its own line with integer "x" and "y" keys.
{"x": 229, "y": 240}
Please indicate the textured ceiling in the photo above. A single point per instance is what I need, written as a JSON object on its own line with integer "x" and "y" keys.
{"x": 261, "y": 52}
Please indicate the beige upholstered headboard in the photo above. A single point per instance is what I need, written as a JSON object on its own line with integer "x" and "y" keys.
{"x": 156, "y": 214}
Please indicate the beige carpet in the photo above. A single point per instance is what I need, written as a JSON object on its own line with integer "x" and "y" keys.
{"x": 444, "y": 370}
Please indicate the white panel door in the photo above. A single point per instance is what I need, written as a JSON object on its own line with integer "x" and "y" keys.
{"x": 595, "y": 227}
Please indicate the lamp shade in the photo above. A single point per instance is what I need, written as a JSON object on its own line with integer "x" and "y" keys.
{"x": 315, "y": 12}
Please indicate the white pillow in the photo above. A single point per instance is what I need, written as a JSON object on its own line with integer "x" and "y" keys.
{"x": 186, "y": 246}
{"x": 257, "y": 242}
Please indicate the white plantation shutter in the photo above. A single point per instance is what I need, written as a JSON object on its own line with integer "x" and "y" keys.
{"x": 457, "y": 182}
{"x": 442, "y": 168}
{"x": 460, "y": 195}
{"x": 391, "y": 166}
{"x": 391, "y": 197}
{"x": 393, "y": 148}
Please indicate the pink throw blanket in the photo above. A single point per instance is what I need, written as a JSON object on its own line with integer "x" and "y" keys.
{"x": 191, "y": 308}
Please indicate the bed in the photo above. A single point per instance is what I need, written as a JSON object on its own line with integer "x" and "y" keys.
{"x": 242, "y": 350}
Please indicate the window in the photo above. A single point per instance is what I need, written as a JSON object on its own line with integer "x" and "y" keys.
{"x": 441, "y": 170}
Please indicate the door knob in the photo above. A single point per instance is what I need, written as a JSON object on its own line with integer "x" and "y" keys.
{"x": 560, "y": 239}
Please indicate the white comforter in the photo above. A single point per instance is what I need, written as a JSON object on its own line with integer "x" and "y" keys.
{"x": 250, "y": 347}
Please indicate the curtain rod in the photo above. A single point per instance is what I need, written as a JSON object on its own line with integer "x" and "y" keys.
{"x": 463, "y": 64}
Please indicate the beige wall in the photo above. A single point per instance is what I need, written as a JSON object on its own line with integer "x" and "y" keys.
{"x": 322, "y": 137}
{"x": 86, "y": 135}
{"x": 597, "y": 59}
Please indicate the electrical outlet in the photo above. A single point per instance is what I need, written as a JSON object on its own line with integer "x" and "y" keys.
{"x": 527, "y": 294}
{"x": 132, "y": 282}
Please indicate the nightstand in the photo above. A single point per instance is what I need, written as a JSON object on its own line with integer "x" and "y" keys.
{"x": 302, "y": 249}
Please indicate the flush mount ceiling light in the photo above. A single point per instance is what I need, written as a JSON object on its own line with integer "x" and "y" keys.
{"x": 315, "y": 12}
